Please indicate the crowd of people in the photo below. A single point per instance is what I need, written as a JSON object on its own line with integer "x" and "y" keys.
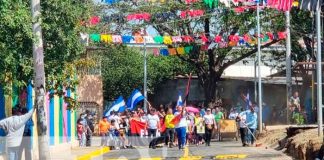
{"x": 170, "y": 126}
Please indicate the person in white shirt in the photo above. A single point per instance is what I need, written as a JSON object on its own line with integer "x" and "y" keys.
{"x": 116, "y": 118}
{"x": 241, "y": 118}
{"x": 153, "y": 123}
{"x": 209, "y": 121}
{"x": 181, "y": 126}
{"x": 233, "y": 114}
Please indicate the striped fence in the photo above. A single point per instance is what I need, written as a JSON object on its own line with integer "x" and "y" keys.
{"x": 61, "y": 123}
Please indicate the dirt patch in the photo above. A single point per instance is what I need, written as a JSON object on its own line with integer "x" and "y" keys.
{"x": 272, "y": 137}
{"x": 305, "y": 145}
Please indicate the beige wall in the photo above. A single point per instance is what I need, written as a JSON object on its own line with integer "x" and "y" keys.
{"x": 90, "y": 89}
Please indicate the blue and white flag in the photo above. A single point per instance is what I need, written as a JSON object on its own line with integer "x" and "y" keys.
{"x": 248, "y": 102}
{"x": 118, "y": 105}
{"x": 134, "y": 98}
{"x": 180, "y": 102}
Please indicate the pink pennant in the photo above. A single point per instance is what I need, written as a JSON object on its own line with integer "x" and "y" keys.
{"x": 94, "y": 20}
{"x": 239, "y": 10}
{"x": 183, "y": 14}
{"x": 218, "y": 39}
{"x": 204, "y": 38}
{"x": 176, "y": 39}
{"x": 270, "y": 35}
{"x": 156, "y": 52}
{"x": 188, "y": 39}
{"x": 246, "y": 38}
{"x": 281, "y": 35}
{"x": 139, "y": 16}
{"x": 191, "y": 1}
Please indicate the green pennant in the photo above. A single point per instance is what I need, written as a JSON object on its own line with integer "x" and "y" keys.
{"x": 188, "y": 49}
{"x": 95, "y": 37}
{"x": 265, "y": 38}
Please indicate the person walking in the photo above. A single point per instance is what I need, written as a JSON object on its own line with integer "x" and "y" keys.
{"x": 90, "y": 130}
{"x": 85, "y": 128}
{"x": 199, "y": 129}
{"x": 104, "y": 127}
{"x": 251, "y": 123}
{"x": 241, "y": 118}
{"x": 210, "y": 124}
{"x": 80, "y": 131}
{"x": 153, "y": 123}
{"x": 14, "y": 126}
{"x": 169, "y": 133}
{"x": 181, "y": 126}
{"x": 26, "y": 141}
{"x": 218, "y": 116}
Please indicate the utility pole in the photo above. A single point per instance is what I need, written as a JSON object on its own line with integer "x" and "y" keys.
{"x": 145, "y": 77}
{"x": 39, "y": 81}
{"x": 288, "y": 64}
{"x": 319, "y": 70}
{"x": 259, "y": 67}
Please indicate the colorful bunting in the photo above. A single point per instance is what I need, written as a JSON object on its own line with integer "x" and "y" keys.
{"x": 232, "y": 40}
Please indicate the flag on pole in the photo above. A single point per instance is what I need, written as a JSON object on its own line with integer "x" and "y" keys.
{"x": 247, "y": 100}
{"x": 188, "y": 88}
{"x": 179, "y": 102}
{"x": 118, "y": 105}
{"x": 135, "y": 97}
{"x": 137, "y": 126}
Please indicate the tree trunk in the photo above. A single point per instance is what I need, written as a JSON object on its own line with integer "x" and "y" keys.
{"x": 39, "y": 73}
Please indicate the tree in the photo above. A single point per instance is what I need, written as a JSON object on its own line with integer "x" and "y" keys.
{"x": 303, "y": 47}
{"x": 210, "y": 64}
{"x": 122, "y": 70}
{"x": 61, "y": 25}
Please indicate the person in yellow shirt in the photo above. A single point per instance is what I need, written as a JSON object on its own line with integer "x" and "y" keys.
{"x": 104, "y": 127}
{"x": 169, "y": 132}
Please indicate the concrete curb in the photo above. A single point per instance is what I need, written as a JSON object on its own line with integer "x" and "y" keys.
{"x": 93, "y": 154}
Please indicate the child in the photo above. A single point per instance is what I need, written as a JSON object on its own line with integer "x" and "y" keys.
{"x": 114, "y": 135}
{"x": 80, "y": 130}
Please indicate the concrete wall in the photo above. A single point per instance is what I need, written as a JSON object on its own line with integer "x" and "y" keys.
{"x": 169, "y": 91}
{"x": 90, "y": 89}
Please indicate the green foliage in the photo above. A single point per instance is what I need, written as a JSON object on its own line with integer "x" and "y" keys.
{"x": 15, "y": 43}
{"x": 61, "y": 25}
{"x": 122, "y": 70}
{"x": 208, "y": 65}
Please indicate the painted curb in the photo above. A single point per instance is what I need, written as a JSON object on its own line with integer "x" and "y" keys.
{"x": 93, "y": 154}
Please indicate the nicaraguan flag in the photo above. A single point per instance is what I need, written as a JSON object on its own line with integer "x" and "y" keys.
{"x": 118, "y": 105}
{"x": 179, "y": 102}
{"x": 135, "y": 97}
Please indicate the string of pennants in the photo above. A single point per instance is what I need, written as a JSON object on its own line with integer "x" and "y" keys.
{"x": 162, "y": 16}
{"x": 283, "y": 5}
{"x": 218, "y": 40}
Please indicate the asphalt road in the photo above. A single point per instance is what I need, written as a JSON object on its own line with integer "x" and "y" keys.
{"x": 217, "y": 150}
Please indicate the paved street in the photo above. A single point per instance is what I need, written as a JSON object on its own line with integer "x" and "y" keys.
{"x": 217, "y": 150}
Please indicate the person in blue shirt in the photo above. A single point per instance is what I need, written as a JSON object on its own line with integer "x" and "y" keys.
{"x": 251, "y": 123}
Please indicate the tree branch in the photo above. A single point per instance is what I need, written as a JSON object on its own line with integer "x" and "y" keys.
{"x": 229, "y": 63}
{"x": 162, "y": 28}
